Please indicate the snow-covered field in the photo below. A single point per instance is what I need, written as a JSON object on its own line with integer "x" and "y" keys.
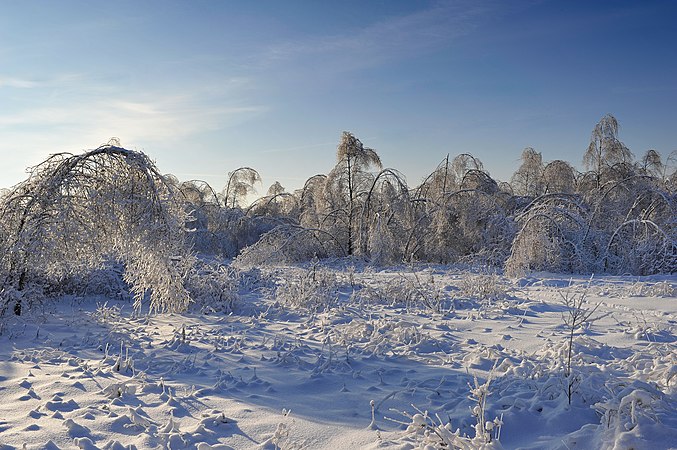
{"x": 309, "y": 353}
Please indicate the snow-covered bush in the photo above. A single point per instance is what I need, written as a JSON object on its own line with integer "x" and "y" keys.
{"x": 107, "y": 281}
{"x": 288, "y": 244}
{"x": 433, "y": 433}
{"x": 409, "y": 290}
{"x": 630, "y": 406}
{"x": 313, "y": 289}
{"x": 643, "y": 289}
{"x": 484, "y": 287}
{"x": 212, "y": 287}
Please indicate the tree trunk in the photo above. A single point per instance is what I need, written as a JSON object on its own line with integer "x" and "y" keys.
{"x": 350, "y": 207}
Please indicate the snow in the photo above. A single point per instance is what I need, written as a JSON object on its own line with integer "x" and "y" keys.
{"x": 414, "y": 346}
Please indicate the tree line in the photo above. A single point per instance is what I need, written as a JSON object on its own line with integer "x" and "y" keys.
{"x": 78, "y": 214}
{"x": 617, "y": 216}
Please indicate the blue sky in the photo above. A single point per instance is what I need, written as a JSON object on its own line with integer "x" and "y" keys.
{"x": 205, "y": 87}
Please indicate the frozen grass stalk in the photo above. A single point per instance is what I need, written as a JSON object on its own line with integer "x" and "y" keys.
{"x": 578, "y": 314}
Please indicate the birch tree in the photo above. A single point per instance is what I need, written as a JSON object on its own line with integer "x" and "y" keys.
{"x": 350, "y": 179}
{"x": 605, "y": 149}
{"x": 77, "y": 213}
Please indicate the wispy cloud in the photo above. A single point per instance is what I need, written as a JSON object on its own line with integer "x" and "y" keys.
{"x": 393, "y": 38}
{"x": 22, "y": 82}
{"x": 76, "y": 103}
{"x": 131, "y": 120}
{"x": 19, "y": 83}
{"x": 82, "y": 113}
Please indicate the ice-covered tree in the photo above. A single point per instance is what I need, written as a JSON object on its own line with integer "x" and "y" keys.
{"x": 464, "y": 163}
{"x": 605, "y": 149}
{"x": 528, "y": 179}
{"x": 76, "y": 213}
{"x": 635, "y": 218}
{"x": 460, "y": 212}
{"x": 550, "y": 237}
{"x": 559, "y": 177}
{"x": 652, "y": 164}
{"x": 347, "y": 181}
{"x": 277, "y": 206}
{"x": 217, "y": 223}
{"x": 386, "y": 218}
{"x": 275, "y": 189}
{"x": 241, "y": 183}
{"x": 211, "y": 228}
{"x": 446, "y": 177}
{"x": 312, "y": 201}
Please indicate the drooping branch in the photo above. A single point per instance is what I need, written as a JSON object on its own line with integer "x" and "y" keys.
{"x": 76, "y": 212}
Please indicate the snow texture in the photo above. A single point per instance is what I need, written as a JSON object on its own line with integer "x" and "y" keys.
{"x": 335, "y": 357}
